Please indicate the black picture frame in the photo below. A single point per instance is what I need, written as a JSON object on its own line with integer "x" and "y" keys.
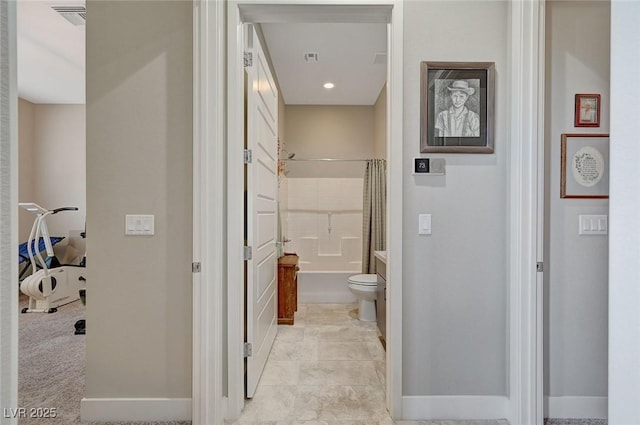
{"x": 473, "y": 131}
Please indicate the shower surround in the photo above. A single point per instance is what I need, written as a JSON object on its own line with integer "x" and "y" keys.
{"x": 324, "y": 223}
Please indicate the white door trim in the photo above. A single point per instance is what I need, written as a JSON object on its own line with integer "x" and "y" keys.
{"x": 395, "y": 157}
{"x": 208, "y": 216}
{"x": 624, "y": 202}
{"x": 235, "y": 208}
{"x": 235, "y": 194}
{"x": 8, "y": 209}
{"x": 526, "y": 210}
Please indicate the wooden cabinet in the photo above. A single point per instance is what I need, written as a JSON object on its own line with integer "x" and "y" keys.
{"x": 287, "y": 288}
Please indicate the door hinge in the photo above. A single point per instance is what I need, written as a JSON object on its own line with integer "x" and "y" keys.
{"x": 195, "y": 267}
{"x": 248, "y": 59}
{"x": 248, "y": 349}
{"x": 248, "y": 156}
{"x": 539, "y": 267}
{"x": 247, "y": 253}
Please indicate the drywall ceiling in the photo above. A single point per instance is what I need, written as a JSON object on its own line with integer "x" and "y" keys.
{"x": 51, "y": 54}
{"x": 346, "y": 56}
{"x": 51, "y": 58}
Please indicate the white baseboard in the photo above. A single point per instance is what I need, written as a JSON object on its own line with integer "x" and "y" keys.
{"x": 135, "y": 409}
{"x": 576, "y": 407}
{"x": 454, "y": 407}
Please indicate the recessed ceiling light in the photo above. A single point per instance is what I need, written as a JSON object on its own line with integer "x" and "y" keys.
{"x": 329, "y": 85}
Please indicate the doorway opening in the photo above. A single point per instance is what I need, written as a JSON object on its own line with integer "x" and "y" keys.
{"x": 327, "y": 141}
{"x": 270, "y": 20}
{"x": 52, "y": 173}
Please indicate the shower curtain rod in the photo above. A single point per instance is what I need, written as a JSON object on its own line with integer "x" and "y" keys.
{"x": 324, "y": 159}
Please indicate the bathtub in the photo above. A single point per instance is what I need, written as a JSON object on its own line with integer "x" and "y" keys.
{"x": 325, "y": 287}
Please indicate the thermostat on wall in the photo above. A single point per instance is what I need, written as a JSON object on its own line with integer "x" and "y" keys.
{"x": 428, "y": 166}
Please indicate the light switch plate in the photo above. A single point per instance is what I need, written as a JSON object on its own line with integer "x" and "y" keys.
{"x": 593, "y": 224}
{"x": 424, "y": 224}
{"x": 139, "y": 225}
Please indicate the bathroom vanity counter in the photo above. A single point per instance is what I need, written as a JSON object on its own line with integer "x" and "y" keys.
{"x": 381, "y": 298}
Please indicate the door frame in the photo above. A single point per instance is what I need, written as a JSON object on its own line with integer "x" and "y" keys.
{"x": 9, "y": 209}
{"x": 266, "y": 11}
{"x": 526, "y": 210}
{"x": 209, "y": 249}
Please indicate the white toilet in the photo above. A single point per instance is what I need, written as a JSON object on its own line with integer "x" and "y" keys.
{"x": 364, "y": 286}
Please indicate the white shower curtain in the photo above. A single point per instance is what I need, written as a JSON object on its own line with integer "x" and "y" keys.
{"x": 374, "y": 213}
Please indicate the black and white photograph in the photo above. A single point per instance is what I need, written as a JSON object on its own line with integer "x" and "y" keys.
{"x": 457, "y": 107}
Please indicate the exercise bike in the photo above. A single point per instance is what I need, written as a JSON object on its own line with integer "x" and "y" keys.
{"x": 48, "y": 288}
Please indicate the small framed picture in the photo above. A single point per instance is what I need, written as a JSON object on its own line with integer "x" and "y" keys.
{"x": 457, "y": 107}
{"x": 587, "y": 112}
{"x": 584, "y": 166}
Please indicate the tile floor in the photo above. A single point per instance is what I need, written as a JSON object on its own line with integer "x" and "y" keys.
{"x": 326, "y": 369}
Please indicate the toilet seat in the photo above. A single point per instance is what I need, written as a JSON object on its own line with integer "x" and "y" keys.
{"x": 364, "y": 279}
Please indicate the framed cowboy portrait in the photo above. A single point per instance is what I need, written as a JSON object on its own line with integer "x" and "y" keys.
{"x": 457, "y": 107}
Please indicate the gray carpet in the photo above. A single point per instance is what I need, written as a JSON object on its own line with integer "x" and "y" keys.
{"x": 51, "y": 367}
{"x": 51, "y": 364}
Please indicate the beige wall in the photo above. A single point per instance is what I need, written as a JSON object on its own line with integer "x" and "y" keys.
{"x": 281, "y": 119}
{"x": 26, "y": 178}
{"x": 329, "y": 132}
{"x": 380, "y": 125}
{"x": 283, "y": 187}
{"x": 576, "y": 267}
{"x": 52, "y": 164}
{"x": 455, "y": 299}
{"x": 139, "y": 161}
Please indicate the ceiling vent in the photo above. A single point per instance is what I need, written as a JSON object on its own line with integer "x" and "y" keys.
{"x": 311, "y": 57}
{"x": 77, "y": 15}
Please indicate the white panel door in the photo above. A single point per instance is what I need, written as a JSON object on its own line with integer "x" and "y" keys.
{"x": 262, "y": 204}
